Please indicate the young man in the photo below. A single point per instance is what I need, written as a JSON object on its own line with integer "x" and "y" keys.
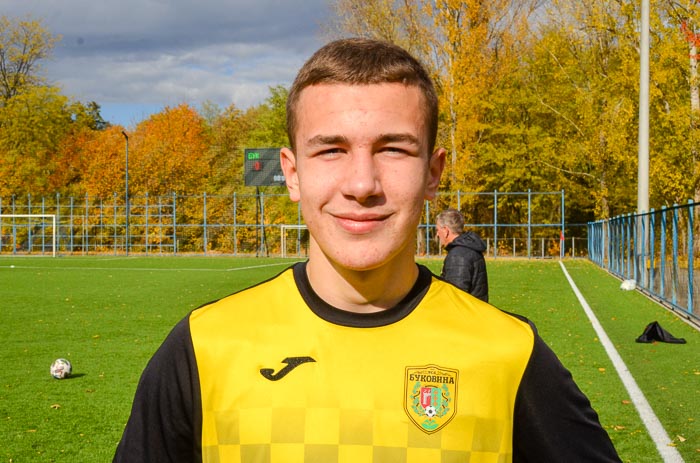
{"x": 359, "y": 355}
{"x": 464, "y": 265}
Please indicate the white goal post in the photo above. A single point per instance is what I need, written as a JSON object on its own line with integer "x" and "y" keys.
{"x": 283, "y": 238}
{"x": 27, "y": 222}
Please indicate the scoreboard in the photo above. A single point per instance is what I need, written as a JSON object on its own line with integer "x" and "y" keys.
{"x": 262, "y": 167}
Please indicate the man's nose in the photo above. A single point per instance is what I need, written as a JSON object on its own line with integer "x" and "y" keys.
{"x": 362, "y": 179}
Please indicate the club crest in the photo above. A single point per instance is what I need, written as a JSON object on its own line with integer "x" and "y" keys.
{"x": 430, "y": 396}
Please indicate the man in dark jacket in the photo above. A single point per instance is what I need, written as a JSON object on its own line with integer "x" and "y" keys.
{"x": 464, "y": 265}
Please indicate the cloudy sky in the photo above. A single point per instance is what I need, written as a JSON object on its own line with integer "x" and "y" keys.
{"x": 133, "y": 57}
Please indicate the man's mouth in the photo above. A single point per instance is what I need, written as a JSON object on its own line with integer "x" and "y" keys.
{"x": 360, "y": 223}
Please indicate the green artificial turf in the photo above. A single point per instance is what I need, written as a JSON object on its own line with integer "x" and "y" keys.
{"x": 108, "y": 315}
{"x": 669, "y": 374}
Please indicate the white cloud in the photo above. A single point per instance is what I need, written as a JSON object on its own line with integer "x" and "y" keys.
{"x": 155, "y": 53}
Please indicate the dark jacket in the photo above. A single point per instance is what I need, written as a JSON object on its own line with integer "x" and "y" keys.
{"x": 465, "y": 266}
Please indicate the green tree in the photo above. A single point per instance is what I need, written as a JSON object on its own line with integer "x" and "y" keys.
{"x": 675, "y": 30}
{"x": 33, "y": 124}
{"x": 93, "y": 118}
{"x": 269, "y": 128}
{"x": 41, "y": 130}
{"x": 469, "y": 46}
{"x": 229, "y": 130}
{"x": 402, "y": 22}
{"x": 474, "y": 47}
{"x": 579, "y": 77}
{"x": 23, "y": 44}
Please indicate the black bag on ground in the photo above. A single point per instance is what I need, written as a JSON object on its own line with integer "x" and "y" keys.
{"x": 654, "y": 332}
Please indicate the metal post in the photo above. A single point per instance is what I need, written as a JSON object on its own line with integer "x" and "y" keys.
{"x": 691, "y": 255}
{"x": 258, "y": 246}
{"x": 43, "y": 225}
{"x": 631, "y": 238}
{"x": 0, "y": 224}
{"x": 235, "y": 225}
{"x": 86, "y": 236}
{"x": 652, "y": 250}
{"x": 58, "y": 220}
{"x": 14, "y": 227}
{"x": 114, "y": 235}
{"x": 529, "y": 221}
{"x": 562, "y": 236}
{"x": 674, "y": 270}
{"x": 147, "y": 232}
{"x": 641, "y": 242}
{"x": 175, "y": 246}
{"x": 126, "y": 187}
{"x": 72, "y": 234}
{"x": 30, "y": 237}
{"x": 204, "y": 216}
{"x": 263, "y": 233}
{"x": 662, "y": 256}
{"x": 495, "y": 223}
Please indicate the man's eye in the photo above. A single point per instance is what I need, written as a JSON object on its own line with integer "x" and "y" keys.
{"x": 394, "y": 151}
{"x": 330, "y": 152}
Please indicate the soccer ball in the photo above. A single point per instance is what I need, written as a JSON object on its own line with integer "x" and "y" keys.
{"x": 61, "y": 368}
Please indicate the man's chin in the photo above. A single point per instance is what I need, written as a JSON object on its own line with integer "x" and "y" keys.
{"x": 359, "y": 265}
{"x": 360, "y": 260}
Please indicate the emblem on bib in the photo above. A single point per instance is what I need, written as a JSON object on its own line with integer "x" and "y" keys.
{"x": 430, "y": 396}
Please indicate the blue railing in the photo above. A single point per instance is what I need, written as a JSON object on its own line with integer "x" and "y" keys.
{"x": 514, "y": 224}
{"x": 655, "y": 249}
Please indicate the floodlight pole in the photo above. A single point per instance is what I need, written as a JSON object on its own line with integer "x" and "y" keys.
{"x": 126, "y": 181}
{"x": 643, "y": 154}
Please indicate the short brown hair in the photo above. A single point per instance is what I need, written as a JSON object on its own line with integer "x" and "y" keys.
{"x": 359, "y": 61}
{"x": 452, "y": 219}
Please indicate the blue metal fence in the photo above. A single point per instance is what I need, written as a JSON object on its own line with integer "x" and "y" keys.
{"x": 656, "y": 250}
{"x": 514, "y": 224}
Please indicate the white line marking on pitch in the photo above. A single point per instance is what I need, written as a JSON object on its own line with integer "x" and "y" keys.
{"x": 145, "y": 269}
{"x": 652, "y": 423}
{"x": 258, "y": 266}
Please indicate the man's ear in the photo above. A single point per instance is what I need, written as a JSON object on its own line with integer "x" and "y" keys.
{"x": 436, "y": 165}
{"x": 288, "y": 162}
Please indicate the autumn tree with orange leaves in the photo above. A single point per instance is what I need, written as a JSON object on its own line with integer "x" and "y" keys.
{"x": 542, "y": 102}
{"x": 469, "y": 46}
{"x": 168, "y": 153}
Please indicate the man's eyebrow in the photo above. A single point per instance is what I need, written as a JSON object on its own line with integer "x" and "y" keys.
{"x": 383, "y": 138}
{"x": 398, "y": 137}
{"x": 320, "y": 140}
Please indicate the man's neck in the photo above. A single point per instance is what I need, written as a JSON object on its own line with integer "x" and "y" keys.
{"x": 451, "y": 237}
{"x": 362, "y": 291}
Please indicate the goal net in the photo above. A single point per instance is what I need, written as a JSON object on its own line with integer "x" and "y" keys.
{"x": 28, "y": 234}
{"x": 294, "y": 241}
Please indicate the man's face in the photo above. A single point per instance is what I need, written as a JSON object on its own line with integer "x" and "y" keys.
{"x": 442, "y": 232}
{"x": 362, "y": 171}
